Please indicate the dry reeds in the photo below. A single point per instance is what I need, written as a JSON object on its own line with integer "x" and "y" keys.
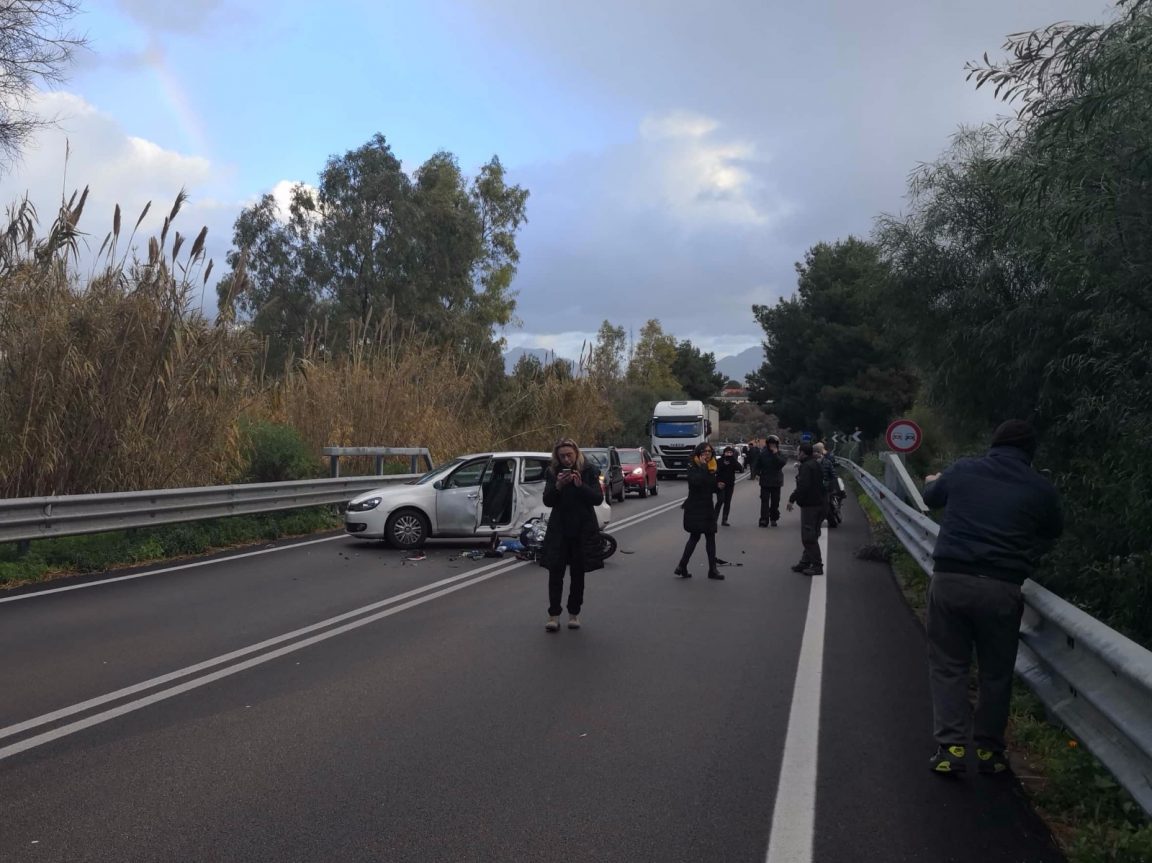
{"x": 115, "y": 383}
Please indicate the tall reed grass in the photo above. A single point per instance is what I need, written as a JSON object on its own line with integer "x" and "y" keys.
{"x": 114, "y": 380}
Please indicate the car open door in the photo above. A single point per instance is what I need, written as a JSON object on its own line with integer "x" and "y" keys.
{"x": 497, "y": 505}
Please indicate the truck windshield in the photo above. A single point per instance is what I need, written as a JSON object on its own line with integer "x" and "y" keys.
{"x": 676, "y": 428}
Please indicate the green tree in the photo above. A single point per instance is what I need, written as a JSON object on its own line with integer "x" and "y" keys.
{"x": 371, "y": 246}
{"x": 695, "y": 371}
{"x": 605, "y": 364}
{"x": 1021, "y": 286}
{"x": 825, "y": 348}
{"x": 652, "y": 359}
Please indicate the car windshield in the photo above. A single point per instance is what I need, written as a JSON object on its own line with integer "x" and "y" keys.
{"x": 438, "y": 472}
{"x": 629, "y": 456}
{"x": 598, "y": 457}
{"x": 676, "y": 428}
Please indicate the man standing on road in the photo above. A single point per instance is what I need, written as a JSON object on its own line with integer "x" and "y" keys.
{"x": 770, "y": 469}
{"x": 809, "y": 494}
{"x": 726, "y": 470}
{"x": 752, "y": 459}
{"x": 1000, "y": 515}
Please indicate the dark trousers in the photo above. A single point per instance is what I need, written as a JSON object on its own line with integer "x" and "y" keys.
{"x": 810, "y": 518}
{"x": 966, "y": 612}
{"x": 724, "y": 500}
{"x": 770, "y": 503}
{"x": 709, "y": 546}
{"x": 574, "y": 552}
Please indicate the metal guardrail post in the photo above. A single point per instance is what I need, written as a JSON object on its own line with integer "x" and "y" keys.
{"x": 897, "y": 478}
{"x": 1091, "y": 678}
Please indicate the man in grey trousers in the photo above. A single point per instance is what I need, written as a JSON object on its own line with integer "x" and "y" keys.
{"x": 1000, "y": 516}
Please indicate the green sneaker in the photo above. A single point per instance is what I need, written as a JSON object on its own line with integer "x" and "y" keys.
{"x": 948, "y": 759}
{"x": 991, "y": 763}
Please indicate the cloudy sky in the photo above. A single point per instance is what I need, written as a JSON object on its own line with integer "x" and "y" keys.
{"x": 681, "y": 156}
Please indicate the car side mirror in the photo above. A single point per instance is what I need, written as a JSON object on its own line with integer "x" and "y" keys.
{"x": 438, "y": 485}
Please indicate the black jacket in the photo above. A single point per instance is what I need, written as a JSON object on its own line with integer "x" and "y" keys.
{"x": 809, "y": 484}
{"x": 828, "y": 473}
{"x": 770, "y": 467}
{"x": 573, "y": 515}
{"x": 999, "y": 515}
{"x": 726, "y": 471}
{"x": 699, "y": 508}
{"x": 750, "y": 461}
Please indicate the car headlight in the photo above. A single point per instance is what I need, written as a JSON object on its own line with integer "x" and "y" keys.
{"x": 637, "y": 471}
{"x": 364, "y": 505}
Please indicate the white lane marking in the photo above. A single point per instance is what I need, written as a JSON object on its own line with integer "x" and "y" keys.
{"x": 794, "y": 814}
{"x": 235, "y": 654}
{"x": 132, "y": 706}
{"x": 501, "y": 566}
{"x": 230, "y": 557}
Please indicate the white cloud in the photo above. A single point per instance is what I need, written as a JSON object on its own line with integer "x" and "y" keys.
{"x": 86, "y": 147}
{"x": 706, "y": 176}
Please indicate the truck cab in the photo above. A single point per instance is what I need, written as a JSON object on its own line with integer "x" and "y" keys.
{"x": 676, "y": 428}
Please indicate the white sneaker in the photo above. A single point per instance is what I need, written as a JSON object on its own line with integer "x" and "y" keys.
{"x": 553, "y": 624}
{"x": 573, "y": 621}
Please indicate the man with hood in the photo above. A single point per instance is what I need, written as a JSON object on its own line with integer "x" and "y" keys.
{"x": 1000, "y": 516}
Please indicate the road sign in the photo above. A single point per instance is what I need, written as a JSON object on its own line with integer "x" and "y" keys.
{"x": 805, "y": 437}
{"x": 856, "y": 435}
{"x": 836, "y": 438}
{"x": 903, "y": 436}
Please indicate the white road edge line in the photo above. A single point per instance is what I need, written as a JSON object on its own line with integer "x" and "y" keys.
{"x": 794, "y": 813}
{"x": 236, "y": 654}
{"x": 132, "y": 706}
{"x": 193, "y": 565}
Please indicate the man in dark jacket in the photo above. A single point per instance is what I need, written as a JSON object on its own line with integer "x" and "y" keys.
{"x": 999, "y": 517}
{"x": 771, "y": 472}
{"x": 726, "y": 469}
{"x": 809, "y": 494}
{"x": 751, "y": 460}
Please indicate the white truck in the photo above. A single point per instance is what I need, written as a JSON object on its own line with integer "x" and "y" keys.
{"x": 675, "y": 428}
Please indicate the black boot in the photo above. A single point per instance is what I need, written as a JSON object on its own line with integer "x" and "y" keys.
{"x": 713, "y": 572}
{"x": 681, "y": 571}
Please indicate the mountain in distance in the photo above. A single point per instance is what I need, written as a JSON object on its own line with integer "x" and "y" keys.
{"x": 513, "y": 356}
{"x": 736, "y": 367}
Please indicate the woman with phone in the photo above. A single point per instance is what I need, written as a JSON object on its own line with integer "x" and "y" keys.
{"x": 699, "y": 514}
{"x": 572, "y": 490}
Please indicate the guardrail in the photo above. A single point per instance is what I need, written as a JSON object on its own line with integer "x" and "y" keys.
{"x": 1092, "y": 679}
{"x": 28, "y": 518}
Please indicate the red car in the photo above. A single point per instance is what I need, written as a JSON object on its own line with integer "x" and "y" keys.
{"x": 639, "y": 471}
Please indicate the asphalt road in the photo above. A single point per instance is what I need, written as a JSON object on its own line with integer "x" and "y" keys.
{"x": 332, "y": 701}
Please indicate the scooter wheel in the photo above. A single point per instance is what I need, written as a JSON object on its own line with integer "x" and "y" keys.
{"x": 607, "y": 545}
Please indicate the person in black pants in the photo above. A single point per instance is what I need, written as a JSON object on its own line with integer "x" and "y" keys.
{"x": 572, "y": 490}
{"x": 726, "y": 470}
{"x": 699, "y": 511}
{"x": 770, "y": 469}
{"x": 1000, "y": 516}
{"x": 809, "y": 494}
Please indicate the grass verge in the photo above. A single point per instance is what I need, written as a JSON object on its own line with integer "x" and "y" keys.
{"x": 1091, "y": 816}
{"x": 72, "y": 555}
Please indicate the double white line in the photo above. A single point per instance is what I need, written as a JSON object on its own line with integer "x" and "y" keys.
{"x": 257, "y": 654}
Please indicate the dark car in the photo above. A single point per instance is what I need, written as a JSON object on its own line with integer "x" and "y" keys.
{"x": 639, "y": 471}
{"x": 607, "y": 461}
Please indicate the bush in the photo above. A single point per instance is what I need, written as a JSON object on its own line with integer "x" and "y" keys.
{"x": 275, "y": 452}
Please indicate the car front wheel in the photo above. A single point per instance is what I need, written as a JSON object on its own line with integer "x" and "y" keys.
{"x": 406, "y": 528}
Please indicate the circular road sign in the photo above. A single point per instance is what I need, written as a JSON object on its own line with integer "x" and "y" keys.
{"x": 903, "y": 436}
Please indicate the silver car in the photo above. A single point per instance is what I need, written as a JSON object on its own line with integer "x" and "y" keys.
{"x": 474, "y": 495}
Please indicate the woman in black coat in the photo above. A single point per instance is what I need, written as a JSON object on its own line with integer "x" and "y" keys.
{"x": 572, "y": 490}
{"x": 699, "y": 510}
